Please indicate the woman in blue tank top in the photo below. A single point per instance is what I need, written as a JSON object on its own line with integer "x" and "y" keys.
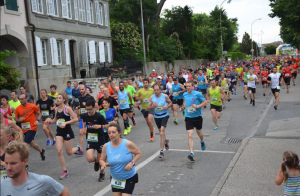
{"x": 119, "y": 154}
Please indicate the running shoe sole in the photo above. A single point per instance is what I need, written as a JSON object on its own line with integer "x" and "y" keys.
{"x": 191, "y": 158}
{"x": 161, "y": 155}
{"x": 64, "y": 177}
{"x": 101, "y": 177}
{"x": 176, "y": 123}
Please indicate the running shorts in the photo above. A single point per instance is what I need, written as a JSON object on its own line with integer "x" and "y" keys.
{"x": 125, "y": 111}
{"x": 264, "y": 82}
{"x": 66, "y": 135}
{"x": 129, "y": 187}
{"x": 253, "y": 90}
{"x": 216, "y": 107}
{"x": 294, "y": 75}
{"x": 275, "y": 90}
{"x": 191, "y": 123}
{"x": 177, "y": 101}
{"x": 29, "y": 136}
{"x": 145, "y": 113}
{"x": 97, "y": 147}
{"x": 203, "y": 91}
{"x": 161, "y": 122}
{"x": 287, "y": 80}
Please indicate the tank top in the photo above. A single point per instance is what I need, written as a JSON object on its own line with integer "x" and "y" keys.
{"x": 224, "y": 84}
{"x": 201, "y": 82}
{"x": 62, "y": 117}
{"x": 292, "y": 185}
{"x": 141, "y": 84}
{"x": 8, "y": 112}
{"x": 215, "y": 96}
{"x": 123, "y": 100}
{"x": 161, "y": 102}
{"x": 6, "y": 121}
{"x": 118, "y": 157}
{"x": 176, "y": 88}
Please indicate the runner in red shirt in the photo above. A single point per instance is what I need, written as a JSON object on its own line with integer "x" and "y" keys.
{"x": 286, "y": 72}
{"x": 264, "y": 79}
{"x": 294, "y": 70}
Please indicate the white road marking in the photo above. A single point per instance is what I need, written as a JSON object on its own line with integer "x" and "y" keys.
{"x": 182, "y": 150}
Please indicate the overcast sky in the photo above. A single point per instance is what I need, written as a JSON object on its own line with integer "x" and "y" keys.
{"x": 246, "y": 11}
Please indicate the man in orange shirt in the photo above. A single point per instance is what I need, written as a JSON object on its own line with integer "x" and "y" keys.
{"x": 294, "y": 70}
{"x": 26, "y": 115}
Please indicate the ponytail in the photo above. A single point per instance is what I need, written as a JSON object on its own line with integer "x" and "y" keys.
{"x": 283, "y": 169}
{"x": 17, "y": 135}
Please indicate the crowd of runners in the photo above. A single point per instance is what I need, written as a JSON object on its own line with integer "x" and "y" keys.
{"x": 156, "y": 96}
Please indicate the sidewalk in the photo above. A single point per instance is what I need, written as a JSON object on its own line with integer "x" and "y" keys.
{"x": 253, "y": 169}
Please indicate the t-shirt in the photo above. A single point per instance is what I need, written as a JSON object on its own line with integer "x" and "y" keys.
{"x": 182, "y": 80}
{"x": 29, "y": 113}
{"x": 53, "y": 97}
{"x": 294, "y": 68}
{"x": 14, "y": 104}
{"x": 145, "y": 96}
{"x": 30, "y": 98}
{"x": 113, "y": 102}
{"x": 45, "y": 105}
{"x": 251, "y": 80}
{"x": 193, "y": 98}
{"x": 84, "y": 100}
{"x": 69, "y": 93}
{"x": 34, "y": 185}
{"x": 110, "y": 90}
{"x": 169, "y": 86}
{"x": 234, "y": 74}
{"x": 275, "y": 78}
{"x": 76, "y": 94}
{"x": 131, "y": 90}
{"x": 186, "y": 77}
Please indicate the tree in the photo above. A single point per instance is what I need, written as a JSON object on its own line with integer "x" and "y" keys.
{"x": 10, "y": 77}
{"x": 271, "y": 49}
{"x": 245, "y": 46}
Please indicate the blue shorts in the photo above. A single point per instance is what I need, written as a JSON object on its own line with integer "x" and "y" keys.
{"x": 29, "y": 136}
{"x": 243, "y": 84}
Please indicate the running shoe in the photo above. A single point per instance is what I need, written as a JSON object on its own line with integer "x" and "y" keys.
{"x": 101, "y": 177}
{"x": 54, "y": 142}
{"x": 264, "y": 94}
{"x": 215, "y": 128}
{"x": 129, "y": 129}
{"x": 204, "y": 106}
{"x": 283, "y": 87}
{"x": 80, "y": 151}
{"x": 152, "y": 136}
{"x": 48, "y": 142}
{"x": 191, "y": 157}
{"x": 96, "y": 166}
{"x": 134, "y": 123}
{"x": 251, "y": 101}
{"x": 234, "y": 93}
{"x": 275, "y": 107}
{"x": 294, "y": 85}
{"x": 287, "y": 91}
{"x": 125, "y": 132}
{"x": 229, "y": 99}
{"x": 43, "y": 157}
{"x": 176, "y": 122}
{"x": 203, "y": 146}
{"x": 161, "y": 154}
{"x": 167, "y": 146}
{"x": 133, "y": 114}
{"x": 224, "y": 107}
{"x": 246, "y": 97}
{"x": 64, "y": 175}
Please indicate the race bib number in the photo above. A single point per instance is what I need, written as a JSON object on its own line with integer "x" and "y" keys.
{"x": 92, "y": 137}
{"x": 60, "y": 121}
{"x": 264, "y": 78}
{"x": 26, "y": 126}
{"x": 214, "y": 99}
{"x": 201, "y": 82}
{"x": 54, "y": 100}
{"x": 191, "y": 110}
{"x": 146, "y": 101}
{"x": 70, "y": 96}
{"x": 3, "y": 175}
{"x": 233, "y": 80}
{"x": 287, "y": 74}
{"x": 45, "y": 112}
{"x": 123, "y": 102}
{"x": 83, "y": 110}
{"x": 224, "y": 88}
{"x": 76, "y": 100}
{"x": 229, "y": 79}
{"x": 159, "y": 108}
{"x": 175, "y": 94}
{"x": 278, "y": 87}
{"x": 117, "y": 184}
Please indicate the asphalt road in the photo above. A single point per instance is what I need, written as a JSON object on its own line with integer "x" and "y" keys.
{"x": 175, "y": 174}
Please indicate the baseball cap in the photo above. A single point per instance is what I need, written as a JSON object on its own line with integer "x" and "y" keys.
{"x": 158, "y": 77}
{"x": 153, "y": 70}
{"x": 175, "y": 78}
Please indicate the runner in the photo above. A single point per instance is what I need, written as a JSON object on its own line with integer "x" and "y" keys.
{"x": 160, "y": 103}
{"x": 245, "y": 75}
{"x": 7, "y": 109}
{"x": 14, "y": 102}
{"x": 202, "y": 84}
{"x": 95, "y": 125}
{"x": 132, "y": 91}
{"x": 26, "y": 115}
{"x": 30, "y": 96}
{"x": 235, "y": 77}
{"x": 251, "y": 82}
{"x": 6, "y": 122}
{"x": 275, "y": 79}
{"x": 125, "y": 109}
{"x": 264, "y": 79}
{"x": 64, "y": 132}
{"x": 224, "y": 84}
{"x": 75, "y": 96}
{"x": 286, "y": 72}
{"x": 239, "y": 70}
{"x": 144, "y": 95}
{"x": 181, "y": 79}
{"x": 193, "y": 116}
{"x": 46, "y": 106}
{"x": 113, "y": 102}
{"x": 177, "y": 92}
{"x": 216, "y": 94}
{"x": 53, "y": 94}
{"x": 229, "y": 78}
{"x": 295, "y": 69}
{"x": 68, "y": 91}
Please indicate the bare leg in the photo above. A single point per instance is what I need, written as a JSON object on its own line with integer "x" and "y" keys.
{"x": 162, "y": 137}
{"x": 35, "y": 146}
{"x": 175, "y": 110}
{"x": 190, "y": 140}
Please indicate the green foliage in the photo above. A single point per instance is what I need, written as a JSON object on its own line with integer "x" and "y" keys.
{"x": 236, "y": 55}
{"x": 245, "y": 46}
{"x": 270, "y": 49}
{"x": 9, "y": 78}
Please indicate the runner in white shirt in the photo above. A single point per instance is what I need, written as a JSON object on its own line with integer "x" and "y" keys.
{"x": 275, "y": 79}
{"x": 251, "y": 81}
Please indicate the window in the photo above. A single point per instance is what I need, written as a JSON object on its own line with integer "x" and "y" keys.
{"x": 12, "y": 5}
{"x": 52, "y": 7}
{"x": 82, "y": 10}
{"x": 37, "y": 6}
{"x": 106, "y": 15}
{"x": 66, "y": 9}
{"x": 91, "y": 12}
{"x": 55, "y": 8}
{"x": 59, "y": 52}
{"x": 75, "y": 10}
{"x": 69, "y": 9}
{"x": 99, "y": 13}
{"x": 44, "y": 51}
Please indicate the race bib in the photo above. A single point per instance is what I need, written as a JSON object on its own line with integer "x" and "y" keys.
{"x": 224, "y": 88}
{"x": 45, "y": 112}
{"x": 26, "y": 126}
{"x": 60, "y": 121}
{"x": 287, "y": 74}
{"x": 123, "y": 102}
{"x": 70, "y": 96}
{"x": 83, "y": 110}
{"x": 201, "y": 82}
{"x": 175, "y": 94}
{"x": 264, "y": 78}
{"x": 278, "y": 87}
{"x": 76, "y": 100}
{"x": 92, "y": 137}
{"x": 3, "y": 175}
{"x": 229, "y": 79}
{"x": 233, "y": 80}
{"x": 191, "y": 110}
{"x": 54, "y": 100}
{"x": 159, "y": 108}
{"x": 214, "y": 99}
{"x": 117, "y": 184}
{"x": 146, "y": 101}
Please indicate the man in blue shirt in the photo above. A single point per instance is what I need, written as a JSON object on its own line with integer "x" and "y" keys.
{"x": 75, "y": 95}
{"x": 194, "y": 100}
{"x": 68, "y": 91}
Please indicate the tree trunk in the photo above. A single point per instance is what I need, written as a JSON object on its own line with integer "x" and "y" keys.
{"x": 148, "y": 49}
{"x": 159, "y": 8}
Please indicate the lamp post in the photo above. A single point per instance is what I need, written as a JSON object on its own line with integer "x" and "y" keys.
{"x": 261, "y": 46}
{"x": 142, "y": 19}
{"x": 251, "y": 37}
{"x": 221, "y": 28}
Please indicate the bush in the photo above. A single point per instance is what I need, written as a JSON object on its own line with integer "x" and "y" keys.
{"x": 236, "y": 55}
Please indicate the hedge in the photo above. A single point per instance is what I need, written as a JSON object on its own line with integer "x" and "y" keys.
{"x": 236, "y": 55}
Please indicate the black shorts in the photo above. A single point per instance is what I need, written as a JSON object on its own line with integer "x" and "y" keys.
{"x": 203, "y": 91}
{"x": 275, "y": 90}
{"x": 29, "y": 136}
{"x": 287, "y": 80}
{"x": 95, "y": 146}
{"x": 68, "y": 135}
{"x": 216, "y": 107}
{"x": 129, "y": 187}
{"x": 253, "y": 90}
{"x": 125, "y": 111}
{"x": 264, "y": 82}
{"x": 191, "y": 123}
{"x": 146, "y": 112}
{"x": 294, "y": 75}
{"x": 233, "y": 83}
{"x": 45, "y": 117}
{"x": 161, "y": 122}
{"x": 177, "y": 101}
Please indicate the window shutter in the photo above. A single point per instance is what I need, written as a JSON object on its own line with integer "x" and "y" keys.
{"x": 84, "y": 52}
{"x": 49, "y": 4}
{"x": 76, "y": 9}
{"x": 39, "y": 53}
{"x": 97, "y": 12}
{"x": 88, "y": 11}
{"x": 106, "y": 17}
{"x": 64, "y": 8}
{"x": 67, "y": 49}
{"x": 92, "y": 50}
{"x": 92, "y": 12}
{"x": 101, "y": 52}
{"x": 54, "y": 54}
{"x": 81, "y": 8}
{"x": 101, "y": 14}
{"x": 108, "y": 53}
{"x": 34, "y": 5}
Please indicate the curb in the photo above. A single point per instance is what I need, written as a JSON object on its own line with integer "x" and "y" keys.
{"x": 232, "y": 163}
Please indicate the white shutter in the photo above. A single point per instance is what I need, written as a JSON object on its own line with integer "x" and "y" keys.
{"x": 92, "y": 50}
{"x": 84, "y": 52}
{"x": 34, "y": 5}
{"x": 54, "y": 54}
{"x": 108, "y": 53}
{"x": 76, "y": 9}
{"x": 67, "y": 50}
{"x": 64, "y": 8}
{"x": 49, "y": 4}
{"x": 105, "y": 13}
{"x": 101, "y": 52}
{"x": 83, "y": 18}
{"x": 92, "y": 12}
{"x": 39, "y": 53}
{"x": 88, "y": 11}
{"x": 97, "y": 12}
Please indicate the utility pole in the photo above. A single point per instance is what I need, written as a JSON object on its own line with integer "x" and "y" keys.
{"x": 142, "y": 18}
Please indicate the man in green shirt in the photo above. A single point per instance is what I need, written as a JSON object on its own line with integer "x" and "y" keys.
{"x": 132, "y": 91}
{"x": 14, "y": 102}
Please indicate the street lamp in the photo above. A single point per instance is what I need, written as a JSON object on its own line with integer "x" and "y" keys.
{"x": 251, "y": 37}
{"x": 257, "y": 43}
{"x": 142, "y": 18}
{"x": 261, "y": 46}
{"x": 221, "y": 25}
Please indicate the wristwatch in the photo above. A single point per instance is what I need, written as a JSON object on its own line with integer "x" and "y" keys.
{"x": 133, "y": 164}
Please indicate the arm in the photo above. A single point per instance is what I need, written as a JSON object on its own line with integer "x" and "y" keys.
{"x": 112, "y": 85}
{"x": 130, "y": 98}
{"x": 206, "y": 82}
{"x": 103, "y": 158}
{"x": 279, "y": 178}
{"x": 222, "y": 93}
{"x": 65, "y": 192}
{"x": 182, "y": 88}
{"x": 14, "y": 126}
{"x": 134, "y": 150}
{"x": 168, "y": 101}
{"x": 150, "y": 105}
